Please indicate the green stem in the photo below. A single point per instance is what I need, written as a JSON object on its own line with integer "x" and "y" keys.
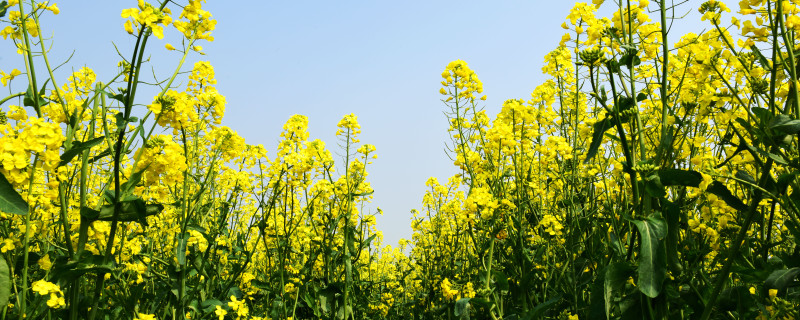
{"x": 733, "y": 250}
{"x": 18, "y": 94}
{"x": 29, "y": 62}
{"x": 133, "y": 79}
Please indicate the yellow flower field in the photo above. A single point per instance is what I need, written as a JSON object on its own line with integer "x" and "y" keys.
{"x": 651, "y": 176}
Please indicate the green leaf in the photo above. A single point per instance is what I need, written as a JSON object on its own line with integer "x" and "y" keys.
{"x": 133, "y": 180}
{"x": 616, "y": 275}
{"x": 3, "y": 10}
{"x": 10, "y": 201}
{"x": 780, "y": 279}
{"x": 28, "y": 99}
{"x": 340, "y": 314}
{"x": 739, "y": 148}
{"x": 102, "y": 154}
{"x": 784, "y": 180}
{"x": 119, "y": 97}
{"x": 309, "y": 301}
{"x": 613, "y": 66}
{"x": 131, "y": 210}
{"x": 653, "y": 186}
{"x": 721, "y": 191}
{"x": 362, "y": 194}
{"x": 625, "y": 104}
{"x": 461, "y": 309}
{"x": 67, "y": 270}
{"x": 739, "y": 299}
{"x": 775, "y": 157}
{"x": 538, "y": 311}
{"x": 5, "y": 277}
{"x": 785, "y": 124}
{"x": 326, "y": 301}
{"x": 500, "y": 280}
{"x": 597, "y": 137}
{"x": 652, "y": 252}
{"x": 678, "y": 177}
{"x": 630, "y": 307}
{"x": 745, "y": 124}
{"x": 597, "y": 303}
{"x": 210, "y": 305}
{"x": 761, "y": 58}
{"x": 277, "y": 308}
{"x": 77, "y": 148}
{"x": 630, "y": 59}
{"x": 366, "y": 242}
{"x": 763, "y": 114}
{"x": 743, "y": 175}
{"x": 673, "y": 217}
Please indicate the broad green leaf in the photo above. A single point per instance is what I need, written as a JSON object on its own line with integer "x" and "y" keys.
{"x": 28, "y": 99}
{"x": 119, "y": 97}
{"x": 597, "y": 309}
{"x": 613, "y": 66}
{"x": 630, "y": 58}
{"x": 721, "y": 191}
{"x": 762, "y": 114}
{"x": 67, "y": 270}
{"x": 5, "y": 282}
{"x": 652, "y": 262}
{"x": 616, "y": 275}
{"x": 131, "y": 210}
{"x": 678, "y": 177}
{"x": 631, "y": 307}
{"x": 277, "y": 308}
{"x": 500, "y": 280}
{"x": 77, "y": 148}
{"x": 538, "y": 311}
{"x": 653, "y": 186}
{"x": 785, "y": 124}
{"x": 340, "y": 314}
{"x": 780, "y": 279}
{"x": 625, "y": 104}
{"x": 210, "y": 305}
{"x": 10, "y": 201}
{"x": 600, "y": 128}
{"x": 461, "y": 309}
{"x": 326, "y": 300}
{"x": 739, "y": 299}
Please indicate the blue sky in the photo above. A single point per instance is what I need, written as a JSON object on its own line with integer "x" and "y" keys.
{"x": 380, "y": 60}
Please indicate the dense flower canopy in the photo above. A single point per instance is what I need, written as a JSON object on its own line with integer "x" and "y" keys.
{"x": 650, "y": 176}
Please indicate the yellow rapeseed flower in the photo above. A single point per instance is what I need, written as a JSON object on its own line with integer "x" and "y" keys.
{"x": 144, "y": 316}
{"x": 4, "y": 78}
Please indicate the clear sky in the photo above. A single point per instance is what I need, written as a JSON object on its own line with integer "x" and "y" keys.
{"x": 380, "y": 60}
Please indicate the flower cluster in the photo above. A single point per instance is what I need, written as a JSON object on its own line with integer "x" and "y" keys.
{"x": 146, "y": 16}
{"x": 52, "y": 290}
